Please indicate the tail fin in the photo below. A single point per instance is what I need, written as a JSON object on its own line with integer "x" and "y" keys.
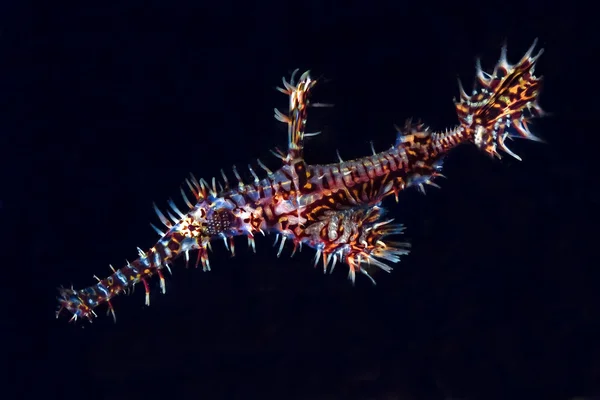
{"x": 502, "y": 105}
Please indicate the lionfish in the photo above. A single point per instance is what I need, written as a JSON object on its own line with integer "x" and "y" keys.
{"x": 333, "y": 208}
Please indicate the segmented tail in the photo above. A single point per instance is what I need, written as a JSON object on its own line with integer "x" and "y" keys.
{"x": 503, "y": 104}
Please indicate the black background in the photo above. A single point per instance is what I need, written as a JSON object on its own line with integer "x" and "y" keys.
{"x": 108, "y": 106}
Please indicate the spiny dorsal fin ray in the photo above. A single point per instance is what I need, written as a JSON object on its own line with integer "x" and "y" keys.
{"x": 298, "y": 93}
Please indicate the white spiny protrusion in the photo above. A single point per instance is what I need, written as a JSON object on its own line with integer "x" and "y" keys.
{"x": 279, "y": 154}
{"x": 289, "y": 87}
{"x": 174, "y": 218}
{"x": 286, "y": 89}
{"x": 176, "y": 209}
{"x": 163, "y": 286}
{"x": 463, "y": 94}
{"x": 529, "y": 52}
{"x": 196, "y": 183}
{"x": 318, "y": 256}
{"x": 264, "y": 167}
{"x": 281, "y": 245}
{"x": 276, "y": 239}
{"x": 252, "y": 243}
{"x": 147, "y": 302}
{"x": 505, "y": 148}
{"x": 281, "y": 117}
{"x": 225, "y": 179}
{"x": 303, "y": 77}
{"x": 311, "y": 134}
{"x": 503, "y": 62}
{"x": 238, "y": 177}
{"x": 194, "y": 191}
{"x": 380, "y": 224}
{"x": 203, "y": 186}
{"x": 325, "y": 262}
{"x": 158, "y": 231}
{"x": 192, "y": 183}
{"x": 206, "y": 189}
{"x": 431, "y": 183}
{"x": 110, "y": 310}
{"x": 333, "y": 263}
{"x": 142, "y": 255}
{"x": 224, "y": 240}
{"x": 321, "y": 105}
{"x": 338, "y": 156}
{"x": 232, "y": 246}
{"x": 162, "y": 217}
{"x": 351, "y": 272}
{"x": 392, "y": 257}
{"x": 185, "y": 199}
{"x": 484, "y": 77}
{"x": 373, "y": 148}
{"x": 256, "y": 180}
{"x": 364, "y": 272}
{"x": 206, "y": 265}
{"x": 213, "y": 188}
{"x": 478, "y": 68}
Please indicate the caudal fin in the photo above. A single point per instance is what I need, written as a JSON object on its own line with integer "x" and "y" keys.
{"x": 502, "y": 104}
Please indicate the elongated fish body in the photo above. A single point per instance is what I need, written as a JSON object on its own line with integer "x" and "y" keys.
{"x": 333, "y": 208}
